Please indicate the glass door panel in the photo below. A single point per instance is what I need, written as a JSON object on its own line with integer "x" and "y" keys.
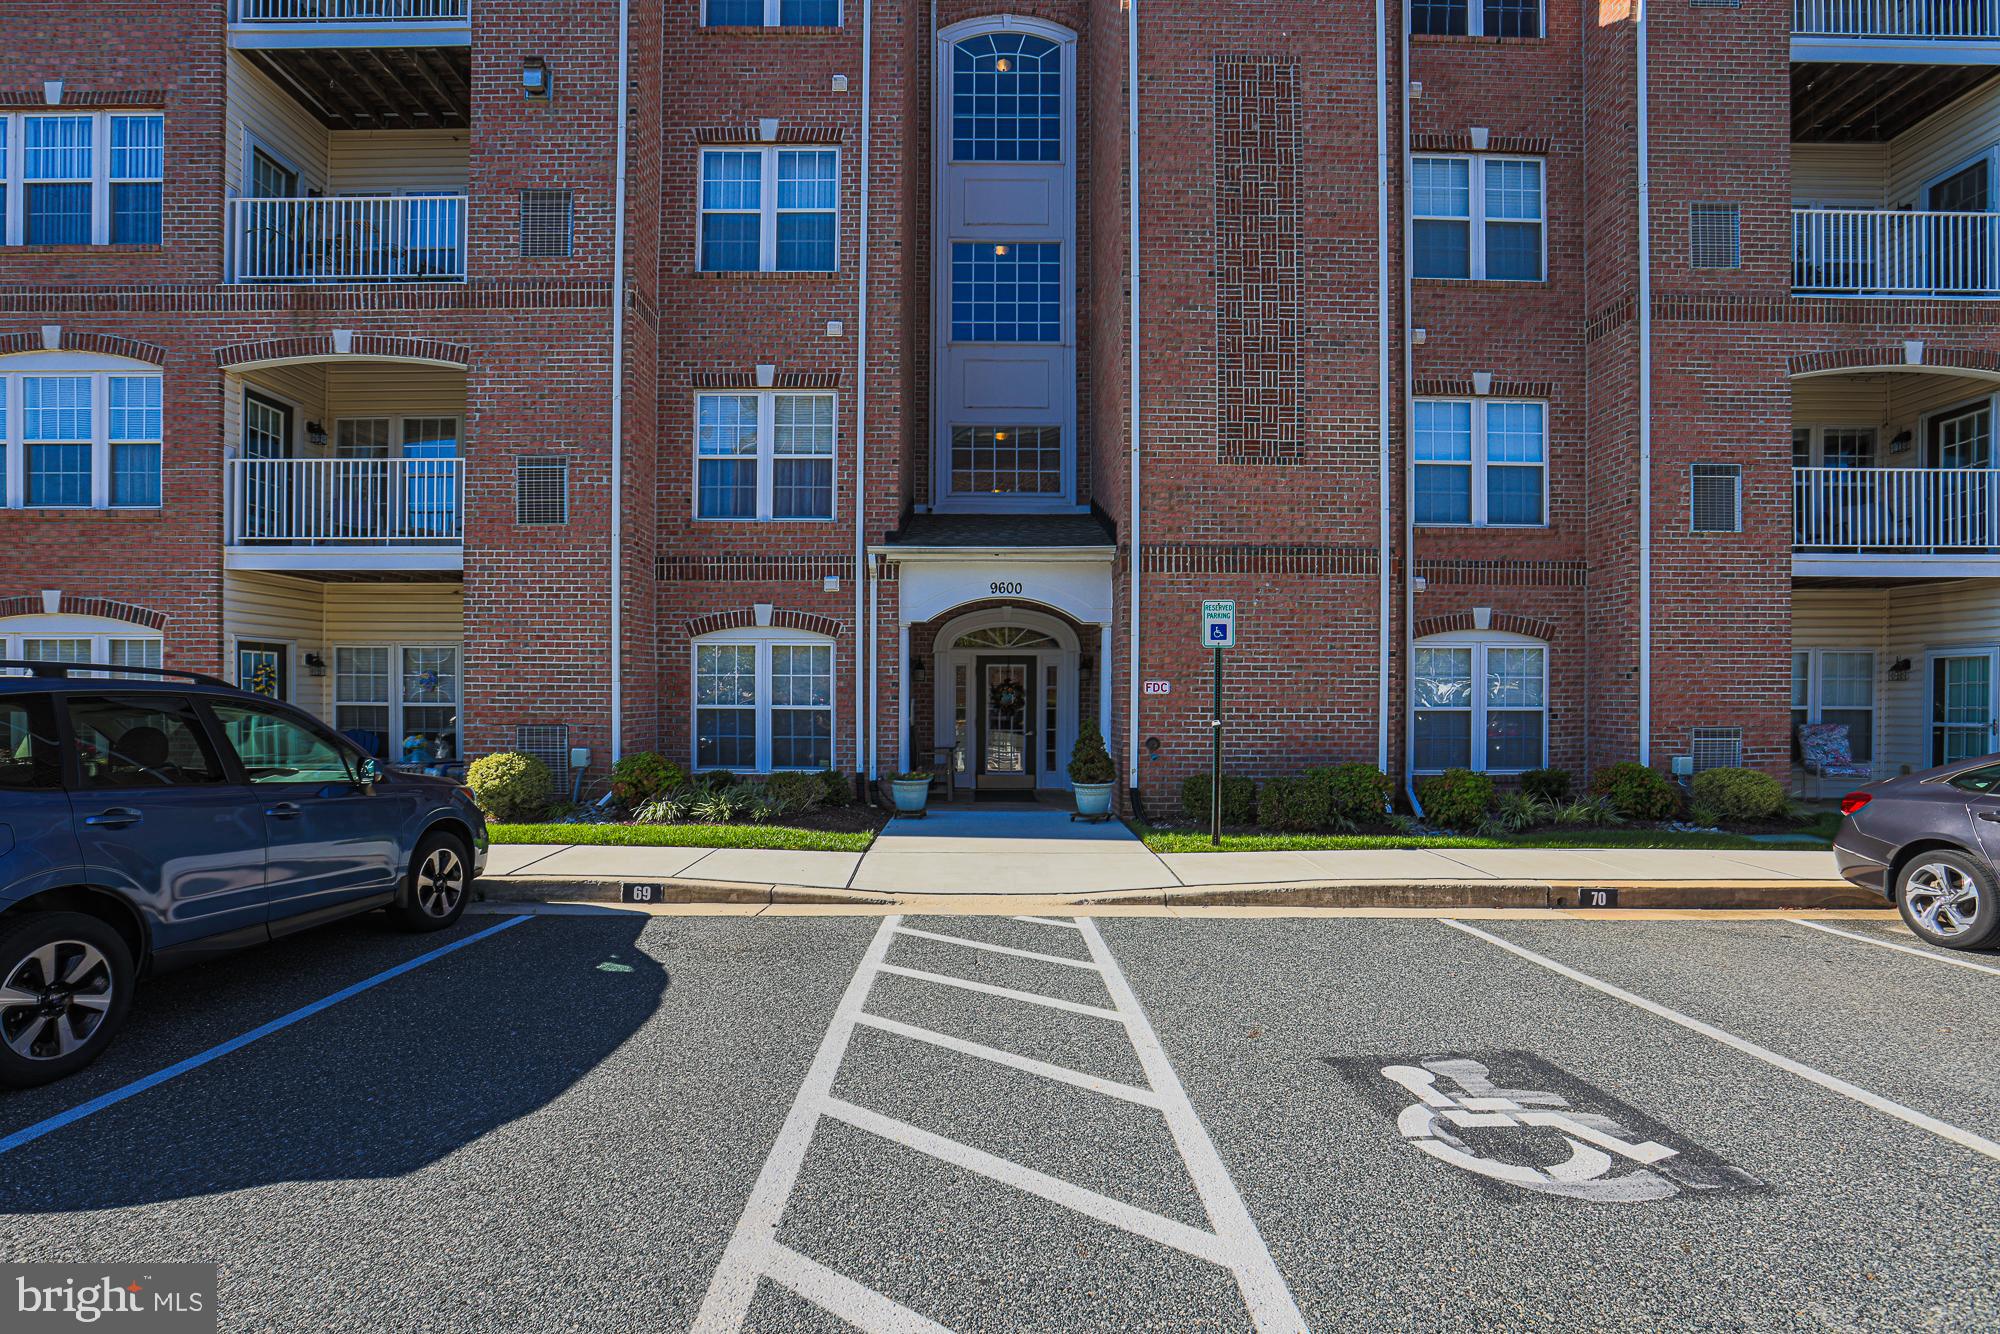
{"x": 1962, "y": 721}
{"x": 1007, "y": 723}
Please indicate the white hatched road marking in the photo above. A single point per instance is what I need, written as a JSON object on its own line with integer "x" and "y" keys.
{"x": 754, "y": 1251}
{"x": 1045, "y": 921}
{"x": 1887, "y": 1106}
{"x": 990, "y": 948}
{"x": 1900, "y": 949}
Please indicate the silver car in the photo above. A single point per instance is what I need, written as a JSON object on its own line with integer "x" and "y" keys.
{"x": 1928, "y": 842}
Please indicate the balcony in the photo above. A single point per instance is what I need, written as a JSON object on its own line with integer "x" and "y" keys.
{"x": 1932, "y": 522}
{"x": 374, "y": 239}
{"x": 1945, "y": 32}
{"x": 345, "y": 514}
{"x": 267, "y": 24}
{"x": 1890, "y": 252}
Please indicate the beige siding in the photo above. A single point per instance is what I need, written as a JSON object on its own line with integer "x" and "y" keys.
{"x": 1892, "y": 402}
{"x": 1965, "y": 129}
{"x": 275, "y": 608}
{"x": 1837, "y": 175}
{"x": 1841, "y": 400}
{"x": 259, "y": 108}
{"x": 368, "y": 613}
{"x": 394, "y": 162}
{"x": 388, "y": 389}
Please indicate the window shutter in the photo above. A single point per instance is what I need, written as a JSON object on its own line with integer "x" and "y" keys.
{"x": 1716, "y": 748}
{"x": 1715, "y": 236}
{"x": 548, "y": 743}
{"x": 546, "y": 224}
{"x": 1715, "y": 494}
{"x": 541, "y": 489}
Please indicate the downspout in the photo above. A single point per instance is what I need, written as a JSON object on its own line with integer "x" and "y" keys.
{"x": 618, "y": 390}
{"x": 864, "y": 584}
{"x": 1132, "y": 443}
{"x": 1645, "y": 400}
{"x": 1409, "y": 380}
{"x": 1382, "y": 371}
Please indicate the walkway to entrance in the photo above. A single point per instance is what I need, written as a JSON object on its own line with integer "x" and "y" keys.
{"x": 1007, "y": 852}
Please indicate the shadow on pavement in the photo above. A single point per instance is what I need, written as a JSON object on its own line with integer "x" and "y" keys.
{"x": 376, "y": 1086}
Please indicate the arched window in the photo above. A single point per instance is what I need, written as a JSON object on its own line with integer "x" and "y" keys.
{"x": 1006, "y": 636}
{"x": 1006, "y": 99}
{"x": 1479, "y": 701}
{"x": 93, "y": 639}
{"x": 763, "y": 700}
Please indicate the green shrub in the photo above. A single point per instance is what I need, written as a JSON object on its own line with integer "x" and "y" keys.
{"x": 1357, "y": 795}
{"x": 720, "y": 805}
{"x": 1637, "y": 792}
{"x": 1293, "y": 805}
{"x": 1585, "y": 813}
{"x": 1239, "y": 799}
{"x": 509, "y": 786}
{"x": 1736, "y": 796}
{"x": 1517, "y": 812}
{"x": 798, "y": 794}
{"x": 672, "y": 808}
{"x": 1456, "y": 799}
{"x": 1550, "y": 785}
{"x": 1090, "y": 762}
{"x": 643, "y": 775}
{"x": 839, "y": 788}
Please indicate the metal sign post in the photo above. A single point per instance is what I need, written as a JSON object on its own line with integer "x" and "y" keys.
{"x": 1218, "y": 631}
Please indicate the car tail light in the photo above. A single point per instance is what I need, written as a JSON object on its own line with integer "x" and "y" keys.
{"x": 1854, "y": 801}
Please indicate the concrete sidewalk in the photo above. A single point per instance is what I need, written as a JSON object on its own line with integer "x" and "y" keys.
{"x": 1043, "y": 852}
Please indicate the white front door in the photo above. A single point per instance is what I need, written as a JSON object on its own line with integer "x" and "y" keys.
{"x": 1963, "y": 719}
{"x": 1005, "y": 266}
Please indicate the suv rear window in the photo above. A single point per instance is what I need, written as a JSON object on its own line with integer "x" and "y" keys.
{"x": 28, "y": 753}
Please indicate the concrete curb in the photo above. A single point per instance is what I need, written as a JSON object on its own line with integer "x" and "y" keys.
{"x": 1306, "y": 894}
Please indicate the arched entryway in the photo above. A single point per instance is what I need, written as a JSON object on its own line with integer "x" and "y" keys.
{"x": 1005, "y": 699}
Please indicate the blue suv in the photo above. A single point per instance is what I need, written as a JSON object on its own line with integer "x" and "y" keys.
{"x": 155, "y": 818}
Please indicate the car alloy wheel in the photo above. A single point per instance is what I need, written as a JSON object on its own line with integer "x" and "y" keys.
{"x": 1943, "y": 898}
{"x": 54, "y": 1000}
{"x": 441, "y": 882}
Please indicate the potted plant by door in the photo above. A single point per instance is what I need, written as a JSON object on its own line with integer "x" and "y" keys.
{"x": 911, "y": 791}
{"x": 1091, "y": 773}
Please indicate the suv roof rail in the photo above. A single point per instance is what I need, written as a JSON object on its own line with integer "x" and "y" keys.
{"x": 64, "y": 670}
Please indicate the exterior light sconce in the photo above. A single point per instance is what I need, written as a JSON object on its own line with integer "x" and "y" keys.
{"x": 316, "y": 435}
{"x": 1901, "y": 444}
{"x": 536, "y": 79}
{"x": 1899, "y": 670}
{"x": 315, "y": 665}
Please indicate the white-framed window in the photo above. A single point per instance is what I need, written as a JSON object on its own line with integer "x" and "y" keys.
{"x": 763, "y": 701}
{"x": 764, "y": 455}
{"x": 1833, "y": 446}
{"x": 1476, "y": 18}
{"x": 95, "y": 639}
{"x": 1479, "y": 701}
{"x": 771, "y": 13}
{"x": 1479, "y": 216}
{"x": 770, "y": 210}
{"x": 1482, "y": 462}
{"x": 73, "y": 437}
{"x": 81, "y": 177}
{"x": 399, "y": 702}
{"x": 1836, "y": 685}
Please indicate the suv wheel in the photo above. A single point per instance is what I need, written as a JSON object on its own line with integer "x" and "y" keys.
{"x": 440, "y": 882}
{"x": 1948, "y": 899}
{"x": 65, "y": 983}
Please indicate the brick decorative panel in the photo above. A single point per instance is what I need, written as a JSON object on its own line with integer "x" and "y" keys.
{"x": 1257, "y": 261}
{"x": 1204, "y": 558}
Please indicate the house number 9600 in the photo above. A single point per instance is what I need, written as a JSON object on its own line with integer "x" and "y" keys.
{"x": 1001, "y": 586}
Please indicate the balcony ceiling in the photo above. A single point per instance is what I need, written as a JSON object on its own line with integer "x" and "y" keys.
{"x": 1863, "y": 103}
{"x": 376, "y": 88}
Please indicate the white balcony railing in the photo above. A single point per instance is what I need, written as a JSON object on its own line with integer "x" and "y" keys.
{"x": 345, "y": 502}
{"x": 1898, "y": 20}
{"x": 1896, "y": 509}
{"x": 351, "y": 12}
{"x": 368, "y": 239}
{"x": 1882, "y": 252}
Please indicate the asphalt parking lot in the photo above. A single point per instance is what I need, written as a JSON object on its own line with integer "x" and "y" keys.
{"x": 988, "y": 1123}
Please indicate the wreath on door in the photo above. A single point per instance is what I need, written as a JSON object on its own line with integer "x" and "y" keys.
{"x": 264, "y": 679}
{"x": 1008, "y": 697}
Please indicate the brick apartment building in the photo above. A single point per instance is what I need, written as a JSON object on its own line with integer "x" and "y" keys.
{"x": 792, "y": 383}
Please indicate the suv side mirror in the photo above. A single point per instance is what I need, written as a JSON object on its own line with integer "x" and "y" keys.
{"x": 371, "y": 772}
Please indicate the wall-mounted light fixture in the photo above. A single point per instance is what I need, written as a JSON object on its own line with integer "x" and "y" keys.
{"x": 537, "y": 80}
{"x": 315, "y": 665}
{"x": 316, "y": 435}
{"x": 1901, "y": 443}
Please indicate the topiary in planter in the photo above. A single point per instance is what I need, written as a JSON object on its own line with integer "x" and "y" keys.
{"x": 1089, "y": 761}
{"x": 1550, "y": 785}
{"x": 1239, "y": 799}
{"x": 510, "y": 786}
{"x": 1637, "y": 792}
{"x": 1292, "y": 805}
{"x": 1456, "y": 798}
{"x": 1736, "y": 796}
{"x": 1357, "y": 795}
{"x": 643, "y": 775}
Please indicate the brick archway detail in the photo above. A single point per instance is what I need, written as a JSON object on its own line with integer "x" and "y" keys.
{"x": 745, "y": 618}
{"x": 363, "y": 345}
{"x": 1879, "y": 358}
{"x": 111, "y": 345}
{"x": 1507, "y": 621}
{"x": 30, "y": 604}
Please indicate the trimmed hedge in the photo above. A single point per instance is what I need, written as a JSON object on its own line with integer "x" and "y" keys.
{"x": 1357, "y": 795}
{"x": 1550, "y": 785}
{"x": 1736, "y": 796}
{"x": 1292, "y": 805}
{"x": 1456, "y": 799}
{"x": 1239, "y": 799}
{"x": 643, "y": 775}
{"x": 510, "y": 786}
{"x": 1636, "y": 791}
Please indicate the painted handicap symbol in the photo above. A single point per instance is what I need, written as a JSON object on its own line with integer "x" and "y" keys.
{"x": 1598, "y": 1145}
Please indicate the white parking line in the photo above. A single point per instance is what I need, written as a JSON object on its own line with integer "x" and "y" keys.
{"x": 1062, "y": 1074}
{"x": 991, "y": 948}
{"x": 1046, "y": 921}
{"x": 1900, "y": 949}
{"x": 179, "y": 1068}
{"x": 866, "y": 1308}
{"x": 1029, "y": 997}
{"x": 1888, "y": 1107}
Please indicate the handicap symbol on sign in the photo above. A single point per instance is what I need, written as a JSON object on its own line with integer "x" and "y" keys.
{"x": 1218, "y": 632}
{"x": 1596, "y": 1143}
